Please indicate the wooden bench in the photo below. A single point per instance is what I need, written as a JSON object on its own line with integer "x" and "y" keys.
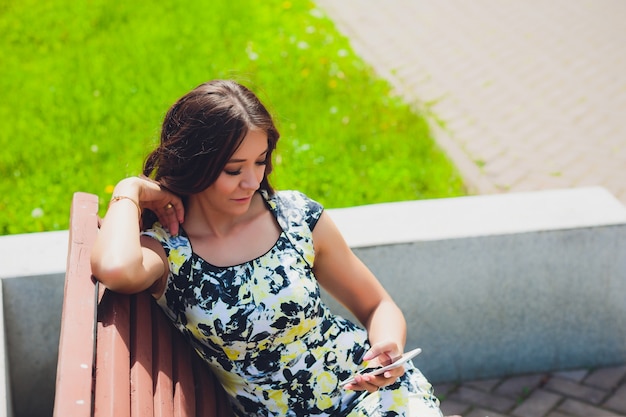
{"x": 118, "y": 354}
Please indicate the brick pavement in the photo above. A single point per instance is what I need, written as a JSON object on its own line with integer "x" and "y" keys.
{"x": 532, "y": 94}
{"x": 582, "y": 393}
{"x": 522, "y": 96}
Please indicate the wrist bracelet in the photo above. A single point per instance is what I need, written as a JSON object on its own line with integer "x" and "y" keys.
{"x": 117, "y": 198}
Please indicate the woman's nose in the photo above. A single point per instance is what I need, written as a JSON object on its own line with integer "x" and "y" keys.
{"x": 250, "y": 180}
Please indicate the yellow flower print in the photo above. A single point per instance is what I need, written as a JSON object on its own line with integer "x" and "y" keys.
{"x": 177, "y": 258}
{"x": 232, "y": 353}
{"x": 398, "y": 401}
{"x": 296, "y": 332}
{"x": 280, "y": 398}
{"x": 324, "y": 402}
{"x": 326, "y": 382}
{"x": 159, "y": 233}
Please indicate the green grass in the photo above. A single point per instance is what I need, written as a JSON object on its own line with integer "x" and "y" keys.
{"x": 86, "y": 84}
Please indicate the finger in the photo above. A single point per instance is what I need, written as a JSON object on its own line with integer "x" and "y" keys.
{"x": 173, "y": 227}
{"x": 362, "y": 383}
{"x": 369, "y": 382}
{"x": 385, "y": 352}
{"x": 179, "y": 210}
{"x": 174, "y": 206}
{"x": 389, "y": 377}
{"x": 169, "y": 218}
{"x": 395, "y": 372}
{"x": 353, "y": 386}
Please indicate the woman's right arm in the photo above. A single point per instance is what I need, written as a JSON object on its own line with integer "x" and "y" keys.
{"x": 122, "y": 259}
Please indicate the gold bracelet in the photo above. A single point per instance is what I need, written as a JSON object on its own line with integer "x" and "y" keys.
{"x": 117, "y": 198}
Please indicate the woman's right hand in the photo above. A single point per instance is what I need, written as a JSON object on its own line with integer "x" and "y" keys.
{"x": 121, "y": 258}
{"x": 167, "y": 206}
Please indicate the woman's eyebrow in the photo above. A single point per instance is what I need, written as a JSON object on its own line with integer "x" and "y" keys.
{"x": 232, "y": 161}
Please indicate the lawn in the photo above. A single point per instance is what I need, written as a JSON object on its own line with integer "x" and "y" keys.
{"x": 86, "y": 85}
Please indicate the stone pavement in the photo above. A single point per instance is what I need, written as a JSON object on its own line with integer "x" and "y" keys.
{"x": 583, "y": 393}
{"x": 532, "y": 93}
{"x": 522, "y": 95}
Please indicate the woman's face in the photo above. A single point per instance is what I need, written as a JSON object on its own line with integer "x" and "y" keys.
{"x": 241, "y": 177}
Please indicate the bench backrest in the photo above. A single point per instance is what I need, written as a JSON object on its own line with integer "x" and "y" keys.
{"x": 118, "y": 354}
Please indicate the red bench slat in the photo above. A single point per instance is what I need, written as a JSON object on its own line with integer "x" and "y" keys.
{"x": 162, "y": 362}
{"x": 141, "y": 392}
{"x": 75, "y": 361}
{"x": 184, "y": 386}
{"x": 112, "y": 385}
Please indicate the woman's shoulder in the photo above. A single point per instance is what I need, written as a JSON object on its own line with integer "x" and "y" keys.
{"x": 294, "y": 206}
{"x": 293, "y": 200}
{"x": 158, "y": 232}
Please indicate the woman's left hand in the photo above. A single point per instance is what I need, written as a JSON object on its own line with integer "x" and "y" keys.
{"x": 380, "y": 354}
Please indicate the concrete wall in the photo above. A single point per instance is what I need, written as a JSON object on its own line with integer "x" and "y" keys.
{"x": 503, "y": 284}
{"x": 5, "y": 397}
{"x": 490, "y": 285}
{"x": 32, "y": 270}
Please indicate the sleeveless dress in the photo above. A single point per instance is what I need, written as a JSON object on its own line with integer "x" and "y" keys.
{"x": 264, "y": 331}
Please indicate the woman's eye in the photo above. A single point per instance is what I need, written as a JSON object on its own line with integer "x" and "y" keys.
{"x": 233, "y": 173}
{"x": 263, "y": 162}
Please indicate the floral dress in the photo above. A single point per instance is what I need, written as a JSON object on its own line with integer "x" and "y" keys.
{"x": 263, "y": 329}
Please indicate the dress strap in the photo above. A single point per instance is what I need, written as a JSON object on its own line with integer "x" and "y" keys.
{"x": 296, "y": 215}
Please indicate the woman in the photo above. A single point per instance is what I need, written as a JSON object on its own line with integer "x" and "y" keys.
{"x": 236, "y": 267}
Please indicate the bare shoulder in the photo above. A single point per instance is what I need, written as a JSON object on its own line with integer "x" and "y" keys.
{"x": 327, "y": 236}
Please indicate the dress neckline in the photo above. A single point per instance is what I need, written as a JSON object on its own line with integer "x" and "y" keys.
{"x": 183, "y": 234}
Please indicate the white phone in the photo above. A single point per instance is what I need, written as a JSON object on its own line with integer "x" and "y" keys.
{"x": 377, "y": 371}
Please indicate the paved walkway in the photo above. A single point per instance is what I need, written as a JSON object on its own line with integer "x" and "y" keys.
{"x": 581, "y": 393}
{"x": 531, "y": 95}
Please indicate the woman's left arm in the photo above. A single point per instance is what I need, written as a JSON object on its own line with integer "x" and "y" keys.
{"x": 349, "y": 280}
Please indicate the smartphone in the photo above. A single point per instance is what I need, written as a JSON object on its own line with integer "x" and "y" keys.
{"x": 377, "y": 371}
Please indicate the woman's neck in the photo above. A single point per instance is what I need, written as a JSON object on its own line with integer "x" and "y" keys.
{"x": 226, "y": 240}
{"x": 203, "y": 218}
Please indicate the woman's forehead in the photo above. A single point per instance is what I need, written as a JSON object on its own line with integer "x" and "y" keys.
{"x": 253, "y": 145}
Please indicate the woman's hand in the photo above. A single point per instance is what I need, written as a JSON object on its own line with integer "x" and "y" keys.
{"x": 167, "y": 206}
{"x": 380, "y": 354}
{"x": 121, "y": 258}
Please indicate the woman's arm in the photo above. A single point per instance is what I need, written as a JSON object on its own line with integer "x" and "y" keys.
{"x": 121, "y": 258}
{"x": 347, "y": 279}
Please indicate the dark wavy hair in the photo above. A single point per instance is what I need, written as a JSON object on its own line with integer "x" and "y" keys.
{"x": 202, "y": 131}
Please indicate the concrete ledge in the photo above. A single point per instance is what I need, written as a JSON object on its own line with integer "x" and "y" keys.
{"x": 503, "y": 284}
{"x": 49, "y": 248}
{"x": 499, "y": 214}
{"x": 490, "y": 285}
